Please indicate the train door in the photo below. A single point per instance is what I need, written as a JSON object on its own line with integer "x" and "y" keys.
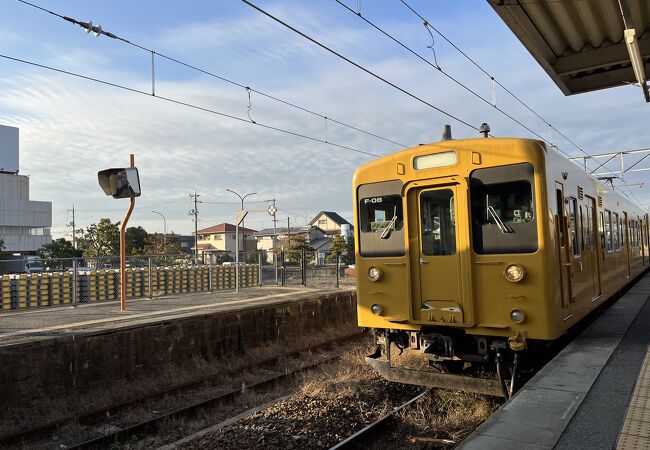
{"x": 580, "y": 278}
{"x": 438, "y": 255}
{"x": 590, "y": 254}
{"x": 562, "y": 246}
{"x": 625, "y": 235}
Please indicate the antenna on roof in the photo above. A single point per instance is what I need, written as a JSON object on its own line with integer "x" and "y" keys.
{"x": 446, "y": 133}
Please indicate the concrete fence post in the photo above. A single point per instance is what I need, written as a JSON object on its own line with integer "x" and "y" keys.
{"x": 303, "y": 266}
{"x": 283, "y": 267}
{"x": 260, "y": 279}
{"x": 150, "y": 279}
{"x": 337, "y": 269}
{"x": 74, "y": 281}
{"x": 210, "y": 273}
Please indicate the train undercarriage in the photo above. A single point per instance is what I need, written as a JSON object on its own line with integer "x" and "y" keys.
{"x": 454, "y": 360}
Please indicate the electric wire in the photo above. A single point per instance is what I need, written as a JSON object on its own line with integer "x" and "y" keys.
{"x": 88, "y": 27}
{"x": 188, "y": 105}
{"x": 470, "y": 59}
{"x": 445, "y": 73}
{"x": 359, "y": 66}
{"x": 515, "y": 97}
{"x": 249, "y": 89}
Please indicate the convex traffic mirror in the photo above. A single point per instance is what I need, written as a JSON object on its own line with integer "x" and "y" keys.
{"x": 120, "y": 182}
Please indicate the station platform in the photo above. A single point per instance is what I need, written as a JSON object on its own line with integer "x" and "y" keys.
{"x": 595, "y": 394}
{"x": 65, "y": 349}
{"x": 50, "y": 323}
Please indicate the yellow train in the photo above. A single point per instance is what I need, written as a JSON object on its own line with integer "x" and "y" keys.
{"x": 475, "y": 250}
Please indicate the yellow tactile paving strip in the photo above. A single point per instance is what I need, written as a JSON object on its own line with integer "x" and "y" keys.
{"x": 635, "y": 433}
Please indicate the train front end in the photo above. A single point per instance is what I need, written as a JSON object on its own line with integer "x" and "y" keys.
{"x": 450, "y": 258}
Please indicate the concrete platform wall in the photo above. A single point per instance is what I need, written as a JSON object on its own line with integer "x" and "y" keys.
{"x": 88, "y": 360}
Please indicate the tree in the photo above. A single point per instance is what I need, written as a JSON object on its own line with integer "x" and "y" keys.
{"x": 343, "y": 248}
{"x": 136, "y": 239}
{"x": 294, "y": 247}
{"x": 101, "y": 239}
{"x": 158, "y": 244}
{"x": 59, "y": 248}
{"x": 2, "y": 244}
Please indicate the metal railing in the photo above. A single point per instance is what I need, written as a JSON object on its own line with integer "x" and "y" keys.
{"x": 33, "y": 282}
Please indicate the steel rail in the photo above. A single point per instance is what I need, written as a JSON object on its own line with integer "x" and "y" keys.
{"x": 150, "y": 426}
{"x": 95, "y": 416}
{"x": 377, "y": 424}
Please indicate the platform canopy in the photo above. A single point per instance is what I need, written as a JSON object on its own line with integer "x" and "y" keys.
{"x": 584, "y": 45}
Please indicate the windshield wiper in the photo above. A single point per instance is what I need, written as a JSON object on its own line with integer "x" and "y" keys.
{"x": 390, "y": 226}
{"x": 502, "y": 226}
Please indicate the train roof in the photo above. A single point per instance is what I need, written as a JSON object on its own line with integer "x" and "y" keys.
{"x": 521, "y": 147}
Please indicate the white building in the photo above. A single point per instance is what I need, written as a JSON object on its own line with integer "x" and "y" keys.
{"x": 24, "y": 224}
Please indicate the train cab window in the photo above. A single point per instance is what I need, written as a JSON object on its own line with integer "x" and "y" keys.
{"x": 503, "y": 213}
{"x": 381, "y": 219}
{"x": 574, "y": 230}
{"x": 438, "y": 222}
{"x": 608, "y": 230}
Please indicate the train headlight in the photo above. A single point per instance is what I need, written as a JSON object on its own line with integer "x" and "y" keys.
{"x": 374, "y": 273}
{"x": 514, "y": 273}
{"x": 377, "y": 310}
{"x": 517, "y": 315}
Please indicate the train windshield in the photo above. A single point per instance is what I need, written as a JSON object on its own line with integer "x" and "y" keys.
{"x": 381, "y": 219}
{"x": 503, "y": 213}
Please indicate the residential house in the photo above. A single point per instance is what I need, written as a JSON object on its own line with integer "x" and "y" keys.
{"x": 332, "y": 224}
{"x": 221, "y": 239}
{"x": 313, "y": 236}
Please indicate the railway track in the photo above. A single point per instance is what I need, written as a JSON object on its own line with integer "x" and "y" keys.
{"x": 370, "y": 432}
{"x": 149, "y": 426}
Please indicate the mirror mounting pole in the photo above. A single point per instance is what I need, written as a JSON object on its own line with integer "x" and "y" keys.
{"x": 123, "y": 249}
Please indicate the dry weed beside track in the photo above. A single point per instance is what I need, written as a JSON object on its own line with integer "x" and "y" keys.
{"x": 38, "y": 409}
{"x": 339, "y": 399}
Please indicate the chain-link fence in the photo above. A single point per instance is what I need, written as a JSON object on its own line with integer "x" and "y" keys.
{"x": 30, "y": 282}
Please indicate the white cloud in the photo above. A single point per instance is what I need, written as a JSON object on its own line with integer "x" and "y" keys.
{"x": 71, "y": 128}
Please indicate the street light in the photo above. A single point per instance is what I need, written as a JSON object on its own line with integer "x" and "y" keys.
{"x": 242, "y": 208}
{"x": 164, "y": 225}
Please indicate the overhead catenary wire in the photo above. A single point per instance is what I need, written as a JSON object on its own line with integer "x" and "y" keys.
{"x": 436, "y": 66}
{"x": 489, "y": 75}
{"x": 359, "y": 66}
{"x": 189, "y": 105}
{"x": 248, "y": 89}
{"x": 497, "y": 82}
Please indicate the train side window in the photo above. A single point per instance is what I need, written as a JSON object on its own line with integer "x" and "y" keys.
{"x": 608, "y": 230}
{"x": 616, "y": 232}
{"x": 559, "y": 200}
{"x": 584, "y": 232}
{"x": 503, "y": 211}
{"x": 602, "y": 231}
{"x": 589, "y": 229}
{"x": 574, "y": 231}
{"x": 438, "y": 223}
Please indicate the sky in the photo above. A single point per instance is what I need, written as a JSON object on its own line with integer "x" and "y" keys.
{"x": 70, "y": 128}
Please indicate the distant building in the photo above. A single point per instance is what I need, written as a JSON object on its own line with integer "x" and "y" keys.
{"x": 186, "y": 243}
{"x": 331, "y": 223}
{"x": 24, "y": 224}
{"x": 314, "y": 236}
{"x": 221, "y": 238}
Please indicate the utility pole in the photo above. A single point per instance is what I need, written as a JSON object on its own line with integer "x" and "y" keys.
{"x": 195, "y": 212}
{"x": 73, "y": 224}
